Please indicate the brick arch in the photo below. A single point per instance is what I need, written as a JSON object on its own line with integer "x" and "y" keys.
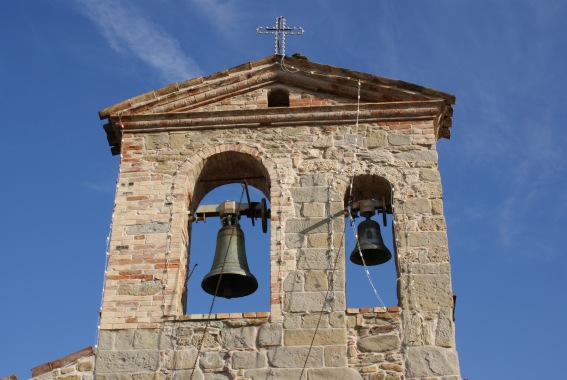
{"x": 187, "y": 192}
{"x": 191, "y": 171}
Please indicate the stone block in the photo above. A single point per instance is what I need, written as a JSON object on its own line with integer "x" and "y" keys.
{"x": 379, "y": 343}
{"x": 294, "y": 357}
{"x": 147, "y": 228}
{"x": 180, "y": 359}
{"x": 313, "y": 225}
{"x": 427, "y": 239}
{"x": 426, "y": 292}
{"x": 315, "y": 179}
{"x": 333, "y": 373}
{"x": 310, "y": 210}
{"x": 431, "y": 361}
{"x": 335, "y": 356}
{"x": 145, "y": 288}
{"x": 270, "y": 335}
{"x": 444, "y": 331}
{"x": 248, "y": 359}
{"x": 190, "y": 374}
{"x": 313, "y": 302}
{"x": 106, "y": 340}
{"x": 273, "y": 374}
{"x": 212, "y": 360}
{"x": 293, "y": 282}
{"x": 310, "y": 194}
{"x": 295, "y": 240}
{"x": 127, "y": 361}
{"x": 323, "y": 337}
{"x": 124, "y": 340}
{"x": 317, "y": 258}
{"x": 151, "y": 339}
{"x": 311, "y": 321}
{"x": 437, "y": 206}
{"x": 316, "y": 281}
{"x": 376, "y": 139}
{"x": 398, "y": 139}
{"x": 427, "y": 156}
{"x": 243, "y": 337}
{"x": 429, "y": 175}
{"x": 416, "y": 206}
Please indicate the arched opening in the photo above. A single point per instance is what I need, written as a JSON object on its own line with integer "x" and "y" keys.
{"x": 370, "y": 282}
{"x": 278, "y": 98}
{"x": 223, "y": 178}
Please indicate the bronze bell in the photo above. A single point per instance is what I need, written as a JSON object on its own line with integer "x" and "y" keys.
{"x": 230, "y": 265}
{"x": 371, "y": 244}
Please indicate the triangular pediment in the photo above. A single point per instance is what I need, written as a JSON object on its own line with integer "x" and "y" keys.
{"x": 245, "y": 89}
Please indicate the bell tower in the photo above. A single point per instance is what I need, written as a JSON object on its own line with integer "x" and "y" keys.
{"x": 325, "y": 146}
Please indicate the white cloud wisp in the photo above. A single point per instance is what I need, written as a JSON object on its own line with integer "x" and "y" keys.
{"x": 129, "y": 32}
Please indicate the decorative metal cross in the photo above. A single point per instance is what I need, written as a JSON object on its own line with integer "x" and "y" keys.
{"x": 280, "y": 30}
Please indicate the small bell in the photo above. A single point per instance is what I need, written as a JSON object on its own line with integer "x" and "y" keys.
{"x": 371, "y": 245}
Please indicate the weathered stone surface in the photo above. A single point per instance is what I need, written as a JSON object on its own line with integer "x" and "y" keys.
{"x": 426, "y": 239}
{"x": 247, "y": 360}
{"x": 431, "y": 361}
{"x": 316, "y": 281}
{"x": 124, "y": 340}
{"x": 145, "y": 288}
{"x": 190, "y": 374}
{"x": 217, "y": 376}
{"x": 273, "y": 374}
{"x": 313, "y": 210}
{"x": 444, "y": 330}
{"x": 212, "y": 360}
{"x": 151, "y": 339}
{"x": 335, "y": 356}
{"x": 310, "y": 194}
{"x": 313, "y": 302}
{"x": 316, "y": 259}
{"x": 315, "y": 179}
{"x": 294, "y": 357}
{"x": 429, "y": 156}
{"x": 429, "y": 175}
{"x": 333, "y": 373}
{"x": 416, "y": 206}
{"x": 243, "y": 337}
{"x": 293, "y": 282}
{"x": 157, "y": 141}
{"x": 304, "y": 337}
{"x": 379, "y": 343}
{"x": 392, "y": 367}
{"x": 313, "y": 225}
{"x": 86, "y": 365}
{"x": 127, "y": 361}
{"x": 147, "y": 228}
{"x": 397, "y": 139}
{"x": 270, "y": 335}
{"x": 376, "y": 139}
{"x": 180, "y": 359}
{"x": 69, "y": 377}
{"x": 426, "y": 292}
{"x": 106, "y": 340}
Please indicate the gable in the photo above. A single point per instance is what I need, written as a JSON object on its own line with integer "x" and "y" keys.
{"x": 245, "y": 88}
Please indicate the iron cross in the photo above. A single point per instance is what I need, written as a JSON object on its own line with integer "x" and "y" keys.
{"x": 279, "y": 30}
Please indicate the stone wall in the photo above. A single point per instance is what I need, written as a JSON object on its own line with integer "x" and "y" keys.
{"x": 309, "y": 160}
{"x": 250, "y": 347}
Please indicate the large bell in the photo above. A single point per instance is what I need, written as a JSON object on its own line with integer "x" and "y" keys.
{"x": 230, "y": 265}
{"x": 371, "y": 244}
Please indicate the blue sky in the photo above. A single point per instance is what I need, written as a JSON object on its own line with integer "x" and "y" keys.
{"x": 503, "y": 171}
